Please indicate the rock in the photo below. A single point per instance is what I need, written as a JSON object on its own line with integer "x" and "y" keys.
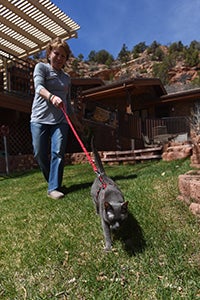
{"x": 189, "y": 188}
{"x": 179, "y": 75}
{"x": 195, "y": 208}
{"x": 177, "y": 152}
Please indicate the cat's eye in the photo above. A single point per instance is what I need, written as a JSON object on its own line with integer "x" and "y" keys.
{"x": 110, "y": 215}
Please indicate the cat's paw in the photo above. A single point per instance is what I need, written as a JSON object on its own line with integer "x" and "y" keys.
{"x": 107, "y": 248}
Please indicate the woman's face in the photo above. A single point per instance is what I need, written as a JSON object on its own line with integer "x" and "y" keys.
{"x": 57, "y": 58}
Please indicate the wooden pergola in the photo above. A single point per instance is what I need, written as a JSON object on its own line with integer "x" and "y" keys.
{"x": 27, "y": 25}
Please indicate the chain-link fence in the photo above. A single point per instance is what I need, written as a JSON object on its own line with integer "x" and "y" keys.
{"x": 18, "y": 138}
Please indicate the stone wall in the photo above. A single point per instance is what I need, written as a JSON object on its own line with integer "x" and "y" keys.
{"x": 176, "y": 150}
{"x": 189, "y": 188}
{"x": 26, "y": 162}
{"x": 195, "y": 158}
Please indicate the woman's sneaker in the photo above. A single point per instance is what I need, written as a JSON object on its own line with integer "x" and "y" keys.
{"x": 55, "y": 194}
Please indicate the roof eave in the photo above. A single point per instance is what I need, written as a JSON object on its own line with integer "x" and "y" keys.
{"x": 183, "y": 95}
{"x": 123, "y": 86}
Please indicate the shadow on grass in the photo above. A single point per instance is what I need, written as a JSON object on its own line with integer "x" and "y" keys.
{"x": 18, "y": 174}
{"x": 131, "y": 236}
{"x": 86, "y": 185}
{"x": 121, "y": 177}
{"x": 79, "y": 186}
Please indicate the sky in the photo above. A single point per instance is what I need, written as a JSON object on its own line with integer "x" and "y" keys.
{"x": 108, "y": 24}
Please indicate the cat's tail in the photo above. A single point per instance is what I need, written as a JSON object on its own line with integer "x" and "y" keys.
{"x": 97, "y": 157}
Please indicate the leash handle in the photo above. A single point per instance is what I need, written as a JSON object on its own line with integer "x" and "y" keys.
{"x": 79, "y": 140}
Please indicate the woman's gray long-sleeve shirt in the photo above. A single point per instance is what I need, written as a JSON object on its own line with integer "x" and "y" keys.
{"x": 57, "y": 83}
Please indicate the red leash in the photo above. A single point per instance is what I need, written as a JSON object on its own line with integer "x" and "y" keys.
{"x": 79, "y": 140}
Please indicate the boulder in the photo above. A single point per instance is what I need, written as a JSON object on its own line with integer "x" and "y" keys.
{"x": 195, "y": 208}
{"x": 189, "y": 188}
{"x": 174, "y": 152}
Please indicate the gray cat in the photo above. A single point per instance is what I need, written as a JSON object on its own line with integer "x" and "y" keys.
{"x": 108, "y": 200}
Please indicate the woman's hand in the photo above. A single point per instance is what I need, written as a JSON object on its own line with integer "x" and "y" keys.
{"x": 56, "y": 101}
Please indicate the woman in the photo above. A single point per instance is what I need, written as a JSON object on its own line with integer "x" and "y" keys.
{"x": 52, "y": 90}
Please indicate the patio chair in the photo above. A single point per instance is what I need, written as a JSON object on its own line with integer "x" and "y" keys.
{"x": 149, "y": 143}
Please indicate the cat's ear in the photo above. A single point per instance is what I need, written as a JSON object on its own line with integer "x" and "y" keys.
{"x": 106, "y": 205}
{"x": 125, "y": 205}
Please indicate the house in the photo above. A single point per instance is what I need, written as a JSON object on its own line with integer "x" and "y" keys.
{"x": 129, "y": 110}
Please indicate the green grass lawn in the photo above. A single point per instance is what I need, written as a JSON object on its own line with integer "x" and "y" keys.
{"x": 53, "y": 249}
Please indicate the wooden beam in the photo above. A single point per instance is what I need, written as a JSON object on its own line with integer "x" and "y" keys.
{"x": 15, "y": 102}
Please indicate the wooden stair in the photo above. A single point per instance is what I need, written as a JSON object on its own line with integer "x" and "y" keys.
{"x": 132, "y": 155}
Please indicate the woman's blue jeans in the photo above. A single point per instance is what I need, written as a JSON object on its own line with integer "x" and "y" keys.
{"x": 52, "y": 167}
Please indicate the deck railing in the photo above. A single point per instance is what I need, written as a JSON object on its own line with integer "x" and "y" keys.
{"x": 16, "y": 75}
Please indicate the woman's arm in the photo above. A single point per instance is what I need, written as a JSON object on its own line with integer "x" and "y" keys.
{"x": 39, "y": 83}
{"x": 55, "y": 100}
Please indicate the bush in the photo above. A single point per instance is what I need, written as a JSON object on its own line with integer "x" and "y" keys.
{"x": 139, "y": 48}
{"x": 124, "y": 54}
{"x": 161, "y": 70}
{"x": 101, "y": 57}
